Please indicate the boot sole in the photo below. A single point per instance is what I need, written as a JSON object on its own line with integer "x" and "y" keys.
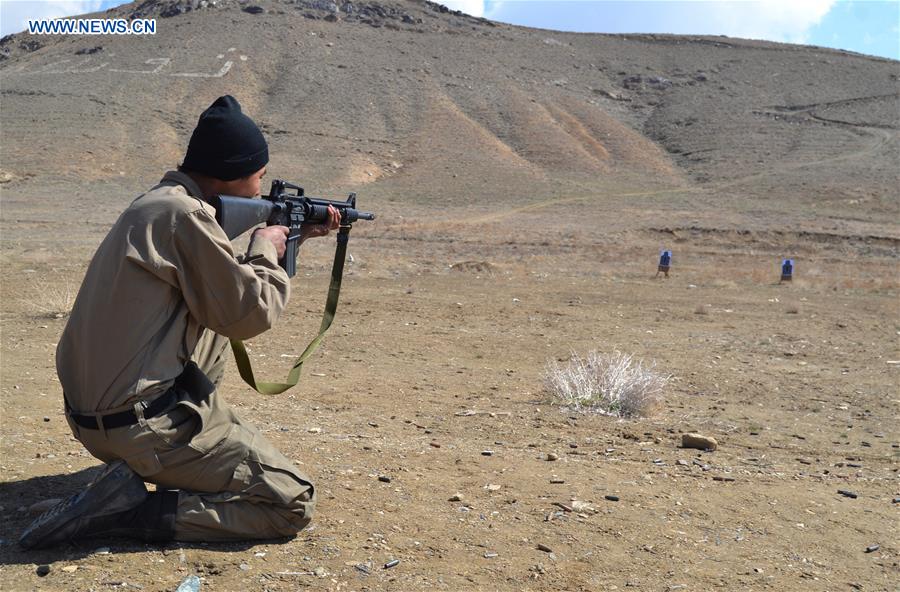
{"x": 117, "y": 489}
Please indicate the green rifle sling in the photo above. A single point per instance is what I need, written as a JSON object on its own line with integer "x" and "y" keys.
{"x": 334, "y": 290}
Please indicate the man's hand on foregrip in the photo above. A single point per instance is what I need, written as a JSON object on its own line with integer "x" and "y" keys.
{"x": 277, "y": 235}
{"x": 314, "y": 230}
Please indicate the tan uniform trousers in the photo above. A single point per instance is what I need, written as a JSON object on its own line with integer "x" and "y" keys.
{"x": 234, "y": 485}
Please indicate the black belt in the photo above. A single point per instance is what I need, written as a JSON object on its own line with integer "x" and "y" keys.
{"x": 124, "y": 418}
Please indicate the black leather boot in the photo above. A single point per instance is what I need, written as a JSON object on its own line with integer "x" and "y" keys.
{"x": 115, "y": 504}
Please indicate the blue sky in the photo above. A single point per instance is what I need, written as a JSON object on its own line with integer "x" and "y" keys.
{"x": 865, "y": 26}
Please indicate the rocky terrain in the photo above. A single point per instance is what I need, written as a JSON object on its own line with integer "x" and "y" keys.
{"x": 525, "y": 181}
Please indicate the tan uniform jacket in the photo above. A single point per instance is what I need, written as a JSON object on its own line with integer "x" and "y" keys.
{"x": 164, "y": 272}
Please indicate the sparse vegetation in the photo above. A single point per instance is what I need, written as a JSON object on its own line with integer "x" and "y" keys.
{"x": 51, "y": 301}
{"x": 613, "y": 384}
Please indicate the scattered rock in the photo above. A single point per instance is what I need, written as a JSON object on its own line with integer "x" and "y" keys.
{"x": 384, "y": 478}
{"x": 699, "y": 442}
{"x": 490, "y": 555}
{"x": 253, "y": 9}
{"x": 43, "y": 505}
{"x": 189, "y": 584}
{"x": 872, "y": 548}
{"x": 456, "y": 497}
{"x": 847, "y": 493}
{"x": 544, "y": 548}
{"x": 320, "y": 572}
{"x": 552, "y": 456}
{"x": 580, "y": 506}
{"x": 42, "y": 570}
{"x": 474, "y": 267}
{"x": 487, "y": 453}
{"x": 612, "y": 498}
{"x": 70, "y": 568}
{"x": 392, "y": 563}
{"x": 492, "y": 487}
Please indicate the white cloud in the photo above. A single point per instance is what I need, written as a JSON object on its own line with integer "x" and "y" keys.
{"x": 775, "y": 20}
{"x": 473, "y": 7}
{"x": 14, "y": 14}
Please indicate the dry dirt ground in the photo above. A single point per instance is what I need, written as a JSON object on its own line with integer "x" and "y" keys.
{"x": 448, "y": 320}
{"x": 525, "y": 181}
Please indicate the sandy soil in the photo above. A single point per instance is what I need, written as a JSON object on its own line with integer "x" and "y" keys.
{"x": 428, "y": 366}
{"x": 525, "y": 182}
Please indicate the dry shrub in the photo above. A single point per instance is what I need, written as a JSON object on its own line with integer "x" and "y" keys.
{"x": 612, "y": 384}
{"x": 48, "y": 300}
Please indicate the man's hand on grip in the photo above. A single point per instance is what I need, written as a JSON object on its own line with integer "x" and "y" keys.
{"x": 277, "y": 235}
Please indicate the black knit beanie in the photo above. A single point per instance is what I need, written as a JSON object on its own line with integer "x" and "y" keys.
{"x": 226, "y": 144}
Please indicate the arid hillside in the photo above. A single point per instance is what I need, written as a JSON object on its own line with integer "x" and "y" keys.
{"x": 409, "y": 96}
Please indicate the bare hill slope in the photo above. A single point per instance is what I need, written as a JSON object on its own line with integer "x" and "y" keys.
{"x": 429, "y": 104}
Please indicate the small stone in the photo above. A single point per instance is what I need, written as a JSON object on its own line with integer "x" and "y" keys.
{"x": 46, "y": 418}
{"x": 189, "y": 584}
{"x": 314, "y": 430}
{"x": 580, "y": 506}
{"x": 434, "y": 444}
{"x": 492, "y": 487}
{"x": 557, "y": 481}
{"x": 70, "y": 568}
{"x": 244, "y": 567}
{"x": 896, "y": 500}
{"x": 320, "y": 572}
{"x": 487, "y": 453}
{"x": 456, "y": 497}
{"x": 43, "y": 505}
{"x": 612, "y": 498}
{"x": 101, "y": 551}
{"x": 392, "y": 563}
{"x": 544, "y": 548}
{"x": 872, "y": 548}
{"x": 490, "y": 555}
{"x": 552, "y": 456}
{"x": 682, "y": 463}
{"x": 699, "y": 442}
{"x": 42, "y": 570}
{"x": 384, "y": 478}
{"x": 847, "y": 493}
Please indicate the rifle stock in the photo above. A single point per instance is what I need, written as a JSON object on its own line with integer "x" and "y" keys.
{"x": 237, "y": 215}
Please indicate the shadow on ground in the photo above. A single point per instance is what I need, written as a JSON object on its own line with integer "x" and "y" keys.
{"x": 17, "y": 496}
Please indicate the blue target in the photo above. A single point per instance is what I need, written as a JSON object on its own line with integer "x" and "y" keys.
{"x": 787, "y": 268}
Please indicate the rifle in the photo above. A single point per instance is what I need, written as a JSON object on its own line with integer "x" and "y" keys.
{"x": 237, "y": 215}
